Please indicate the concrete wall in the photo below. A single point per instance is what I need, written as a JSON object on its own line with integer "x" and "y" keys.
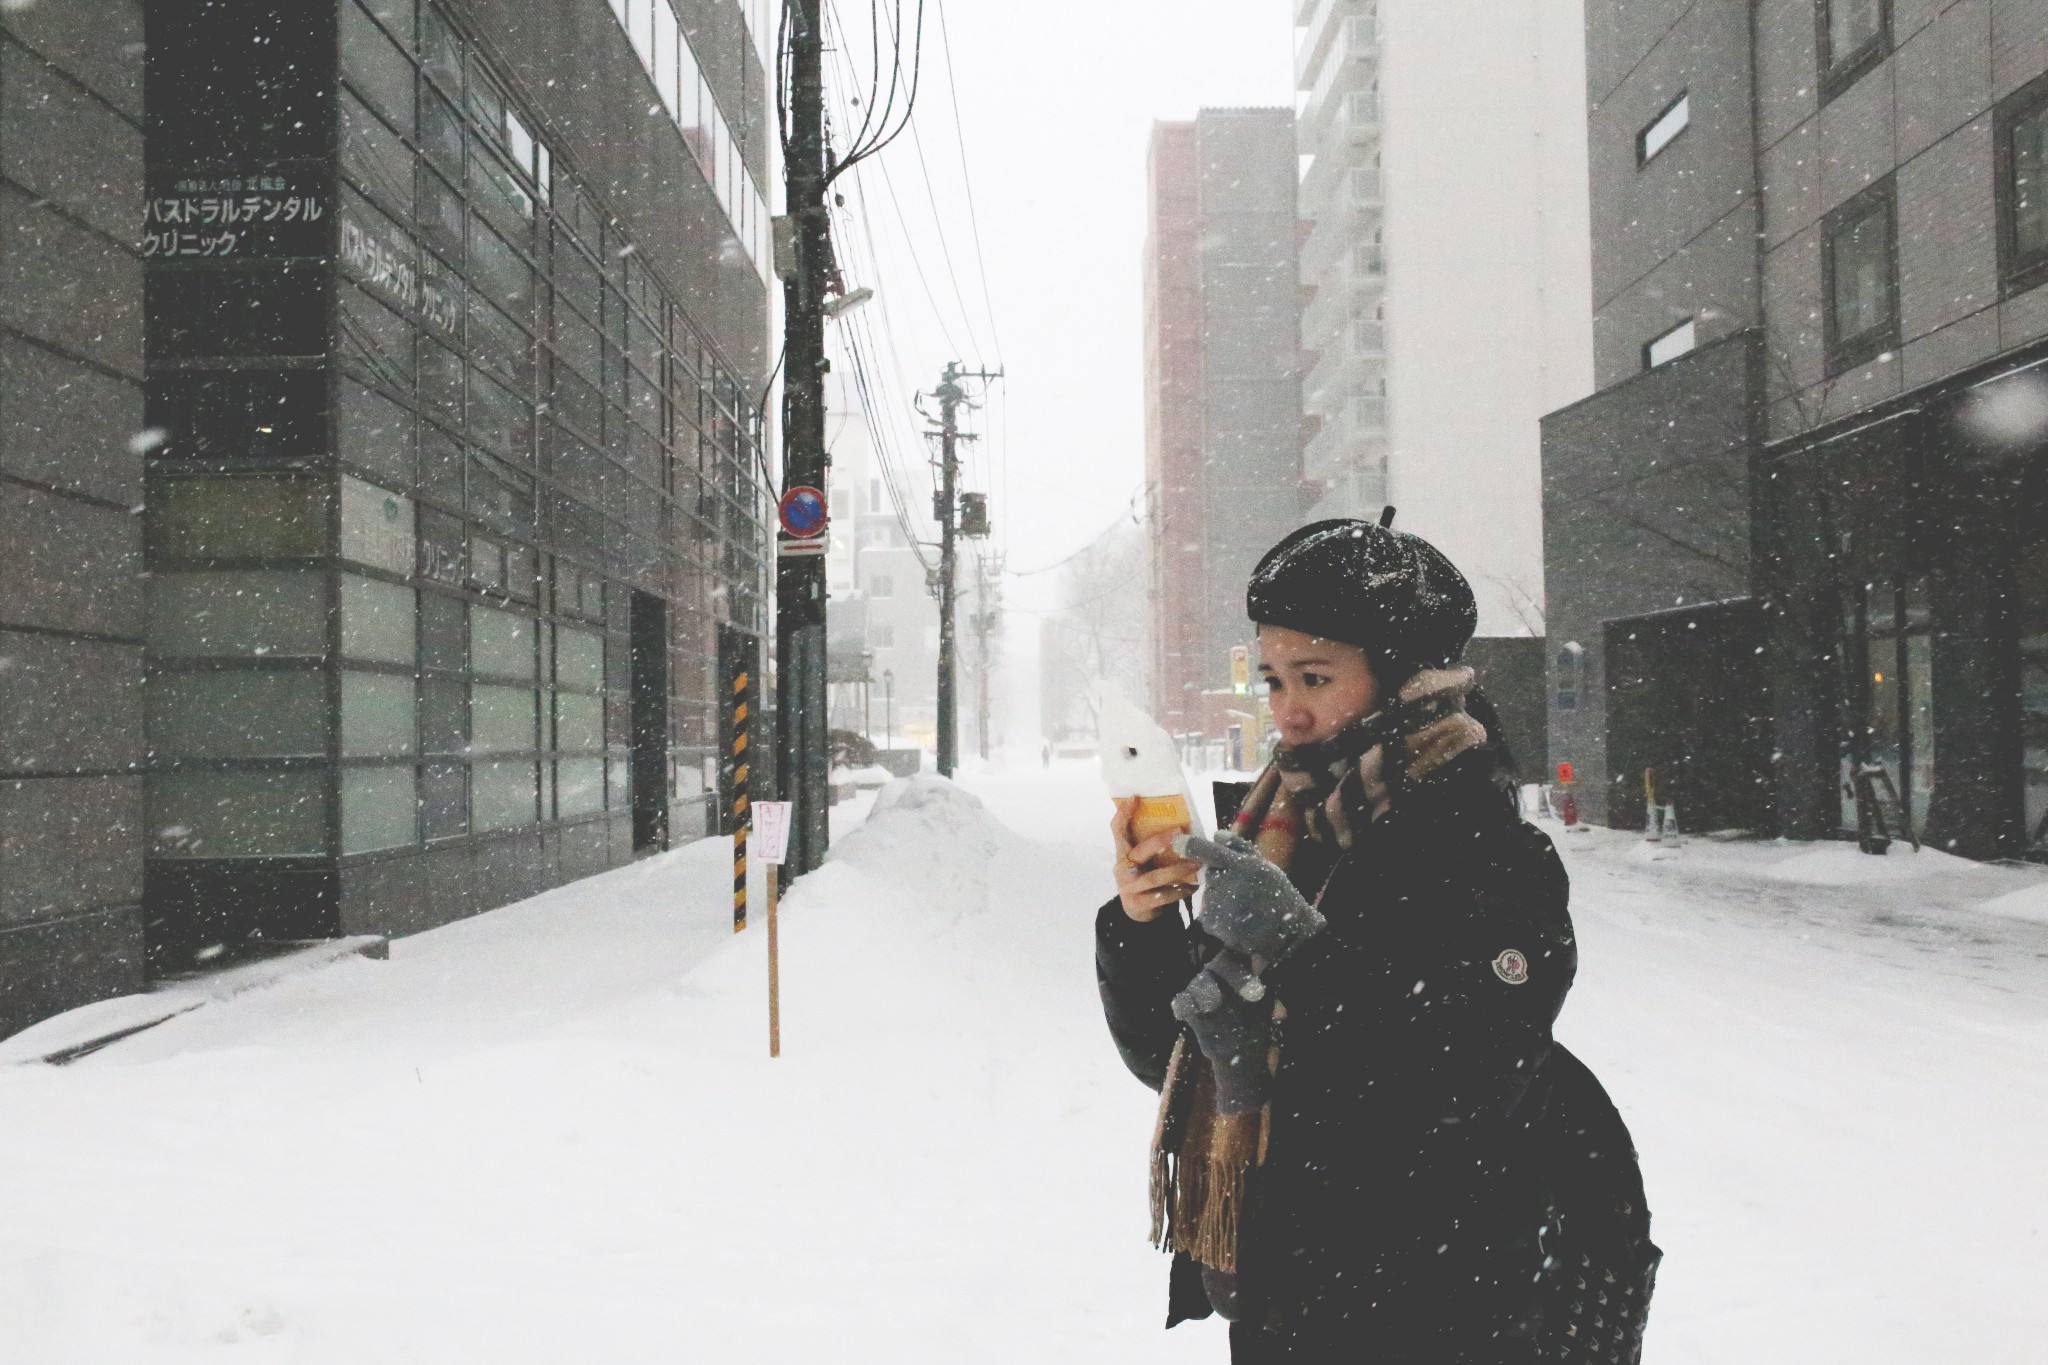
{"x": 70, "y": 477}
{"x": 1677, "y": 236}
{"x": 1645, "y": 507}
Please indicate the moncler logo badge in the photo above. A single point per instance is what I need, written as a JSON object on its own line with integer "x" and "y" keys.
{"x": 1512, "y": 968}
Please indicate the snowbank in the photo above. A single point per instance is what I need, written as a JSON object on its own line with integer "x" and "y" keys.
{"x": 1844, "y": 864}
{"x": 2029, "y": 903}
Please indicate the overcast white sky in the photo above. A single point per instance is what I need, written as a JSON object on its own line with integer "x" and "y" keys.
{"x": 1056, "y": 100}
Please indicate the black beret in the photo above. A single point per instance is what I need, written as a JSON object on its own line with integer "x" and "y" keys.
{"x": 1390, "y": 593}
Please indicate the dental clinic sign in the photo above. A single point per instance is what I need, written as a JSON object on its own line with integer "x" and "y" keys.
{"x": 387, "y": 266}
{"x": 258, "y": 212}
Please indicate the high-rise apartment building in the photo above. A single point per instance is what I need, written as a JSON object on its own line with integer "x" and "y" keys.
{"x": 1223, "y": 392}
{"x": 1489, "y": 325}
{"x": 1343, "y": 256}
{"x": 449, "y": 322}
{"x": 884, "y": 646}
{"x": 1797, "y": 544}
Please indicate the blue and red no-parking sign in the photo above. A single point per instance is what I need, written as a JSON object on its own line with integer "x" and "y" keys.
{"x": 802, "y": 511}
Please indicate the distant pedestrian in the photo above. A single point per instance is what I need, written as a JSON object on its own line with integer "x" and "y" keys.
{"x": 1384, "y": 1157}
{"x": 1045, "y": 755}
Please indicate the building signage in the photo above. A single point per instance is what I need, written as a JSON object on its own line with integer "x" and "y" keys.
{"x": 387, "y": 268}
{"x": 260, "y": 214}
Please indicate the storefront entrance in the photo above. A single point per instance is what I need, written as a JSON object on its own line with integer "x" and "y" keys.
{"x": 1888, "y": 628}
{"x": 2031, "y": 613}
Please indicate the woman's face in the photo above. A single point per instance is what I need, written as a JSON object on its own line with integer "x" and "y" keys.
{"x": 1317, "y": 686}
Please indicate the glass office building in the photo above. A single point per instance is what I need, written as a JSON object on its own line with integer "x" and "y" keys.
{"x": 456, "y": 513}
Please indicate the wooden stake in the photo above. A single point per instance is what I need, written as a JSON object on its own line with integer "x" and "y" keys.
{"x": 774, "y": 970}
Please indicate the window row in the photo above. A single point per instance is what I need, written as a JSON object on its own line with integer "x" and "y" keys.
{"x": 284, "y": 812}
{"x": 663, "y": 46}
{"x": 492, "y": 243}
{"x": 1860, "y": 244}
{"x": 282, "y": 614}
{"x": 238, "y": 713}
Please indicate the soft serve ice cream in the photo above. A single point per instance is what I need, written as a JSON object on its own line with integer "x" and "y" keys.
{"x": 1139, "y": 760}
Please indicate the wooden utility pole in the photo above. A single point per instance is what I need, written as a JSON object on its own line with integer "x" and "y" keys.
{"x": 802, "y": 742}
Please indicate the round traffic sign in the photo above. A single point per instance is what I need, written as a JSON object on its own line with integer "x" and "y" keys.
{"x": 802, "y": 511}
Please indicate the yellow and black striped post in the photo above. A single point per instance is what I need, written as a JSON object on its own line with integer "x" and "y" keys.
{"x": 742, "y": 810}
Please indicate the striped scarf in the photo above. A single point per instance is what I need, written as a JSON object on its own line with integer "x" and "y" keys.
{"x": 1203, "y": 1161}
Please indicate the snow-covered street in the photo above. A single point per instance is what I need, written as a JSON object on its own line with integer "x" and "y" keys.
{"x": 553, "y": 1133}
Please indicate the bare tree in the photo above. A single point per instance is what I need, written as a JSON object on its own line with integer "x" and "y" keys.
{"x": 1101, "y": 630}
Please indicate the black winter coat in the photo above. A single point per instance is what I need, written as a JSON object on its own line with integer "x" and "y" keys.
{"x": 1427, "y": 1134}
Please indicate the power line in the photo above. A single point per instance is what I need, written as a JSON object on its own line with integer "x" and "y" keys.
{"x": 945, "y": 249}
{"x": 967, "y": 182}
{"x": 1099, "y": 536}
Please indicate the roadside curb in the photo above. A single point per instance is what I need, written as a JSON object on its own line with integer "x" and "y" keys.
{"x": 78, "y": 1033}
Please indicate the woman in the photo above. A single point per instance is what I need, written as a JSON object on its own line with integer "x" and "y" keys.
{"x": 1370, "y": 1149}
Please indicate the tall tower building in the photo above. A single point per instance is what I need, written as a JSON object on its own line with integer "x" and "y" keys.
{"x": 1223, "y": 391}
{"x": 1343, "y": 264}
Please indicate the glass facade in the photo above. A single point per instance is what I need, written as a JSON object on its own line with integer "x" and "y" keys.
{"x": 663, "y": 46}
{"x": 2032, "y": 601}
{"x": 1892, "y": 632}
{"x": 407, "y": 624}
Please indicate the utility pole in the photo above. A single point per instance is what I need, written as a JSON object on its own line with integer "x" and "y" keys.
{"x": 802, "y": 745}
{"x": 988, "y": 587}
{"x": 951, "y": 399}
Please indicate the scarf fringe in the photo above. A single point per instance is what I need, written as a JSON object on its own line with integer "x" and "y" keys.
{"x": 1201, "y": 1165}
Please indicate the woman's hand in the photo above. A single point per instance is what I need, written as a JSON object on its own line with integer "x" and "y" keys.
{"x": 1147, "y": 890}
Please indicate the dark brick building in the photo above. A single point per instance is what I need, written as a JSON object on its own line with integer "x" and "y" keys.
{"x": 1820, "y": 249}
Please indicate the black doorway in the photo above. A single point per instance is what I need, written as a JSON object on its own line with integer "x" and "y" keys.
{"x": 1686, "y": 698}
{"x": 649, "y": 626}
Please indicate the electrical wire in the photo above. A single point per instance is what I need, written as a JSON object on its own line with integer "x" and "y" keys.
{"x": 945, "y": 249}
{"x": 872, "y": 137}
{"x": 1099, "y": 537}
{"x": 967, "y": 183}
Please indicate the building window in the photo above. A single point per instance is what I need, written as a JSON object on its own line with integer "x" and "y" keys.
{"x": 1853, "y": 36}
{"x": 885, "y": 636}
{"x": 1571, "y": 675}
{"x": 1860, "y": 274}
{"x": 881, "y": 585}
{"x": 1668, "y": 346}
{"x": 1664, "y": 129}
{"x": 2022, "y": 141}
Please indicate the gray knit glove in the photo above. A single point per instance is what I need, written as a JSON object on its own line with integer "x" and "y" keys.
{"x": 1235, "y": 1035}
{"x": 1248, "y": 904}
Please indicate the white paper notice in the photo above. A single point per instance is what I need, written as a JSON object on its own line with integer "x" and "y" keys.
{"x": 771, "y": 830}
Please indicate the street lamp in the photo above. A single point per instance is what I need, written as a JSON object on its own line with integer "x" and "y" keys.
{"x": 889, "y": 708}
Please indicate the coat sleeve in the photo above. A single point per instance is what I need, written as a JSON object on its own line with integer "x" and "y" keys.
{"x": 1138, "y": 968}
{"x": 1433, "y": 1006}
